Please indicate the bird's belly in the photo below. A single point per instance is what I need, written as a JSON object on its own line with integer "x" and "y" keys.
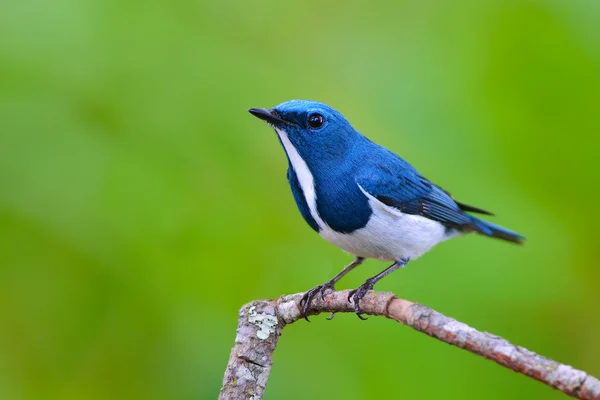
{"x": 390, "y": 236}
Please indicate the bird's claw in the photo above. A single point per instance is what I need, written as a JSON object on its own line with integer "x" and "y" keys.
{"x": 308, "y": 296}
{"x": 357, "y": 294}
{"x": 324, "y": 288}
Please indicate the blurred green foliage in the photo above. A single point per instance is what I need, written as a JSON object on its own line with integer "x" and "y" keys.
{"x": 141, "y": 205}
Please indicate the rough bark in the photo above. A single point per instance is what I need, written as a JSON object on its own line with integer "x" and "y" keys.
{"x": 260, "y": 324}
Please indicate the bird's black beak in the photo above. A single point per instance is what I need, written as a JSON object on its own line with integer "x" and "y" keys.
{"x": 268, "y": 115}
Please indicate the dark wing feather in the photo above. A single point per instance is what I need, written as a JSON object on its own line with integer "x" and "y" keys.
{"x": 466, "y": 207}
{"x": 411, "y": 193}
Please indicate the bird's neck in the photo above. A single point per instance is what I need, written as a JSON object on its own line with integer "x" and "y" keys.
{"x": 325, "y": 190}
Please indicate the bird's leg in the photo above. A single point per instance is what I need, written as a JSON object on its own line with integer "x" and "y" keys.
{"x": 362, "y": 290}
{"x": 308, "y": 296}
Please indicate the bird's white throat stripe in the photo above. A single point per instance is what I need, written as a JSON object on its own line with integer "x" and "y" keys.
{"x": 305, "y": 178}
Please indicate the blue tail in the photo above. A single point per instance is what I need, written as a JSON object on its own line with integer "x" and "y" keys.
{"x": 488, "y": 229}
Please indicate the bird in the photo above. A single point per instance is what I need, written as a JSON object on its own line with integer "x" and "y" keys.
{"x": 362, "y": 197}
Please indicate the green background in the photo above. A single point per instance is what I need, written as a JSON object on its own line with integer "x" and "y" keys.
{"x": 141, "y": 205}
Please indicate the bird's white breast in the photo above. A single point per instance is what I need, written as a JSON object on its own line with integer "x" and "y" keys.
{"x": 389, "y": 234}
{"x": 392, "y": 235}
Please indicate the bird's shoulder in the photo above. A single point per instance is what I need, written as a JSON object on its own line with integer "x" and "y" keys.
{"x": 383, "y": 172}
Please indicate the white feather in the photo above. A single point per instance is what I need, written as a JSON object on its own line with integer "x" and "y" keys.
{"x": 305, "y": 178}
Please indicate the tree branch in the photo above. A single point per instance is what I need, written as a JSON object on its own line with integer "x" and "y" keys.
{"x": 260, "y": 324}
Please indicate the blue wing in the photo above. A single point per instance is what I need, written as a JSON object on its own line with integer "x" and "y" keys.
{"x": 397, "y": 184}
{"x": 409, "y": 192}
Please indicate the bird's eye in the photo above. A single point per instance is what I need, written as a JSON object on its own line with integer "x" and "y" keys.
{"x": 316, "y": 120}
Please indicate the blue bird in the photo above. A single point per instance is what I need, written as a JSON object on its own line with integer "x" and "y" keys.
{"x": 362, "y": 197}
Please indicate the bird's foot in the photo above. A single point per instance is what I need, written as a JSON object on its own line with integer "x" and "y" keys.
{"x": 357, "y": 294}
{"x": 308, "y": 296}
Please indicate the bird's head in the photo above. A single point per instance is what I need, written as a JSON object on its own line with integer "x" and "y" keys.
{"x": 315, "y": 130}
